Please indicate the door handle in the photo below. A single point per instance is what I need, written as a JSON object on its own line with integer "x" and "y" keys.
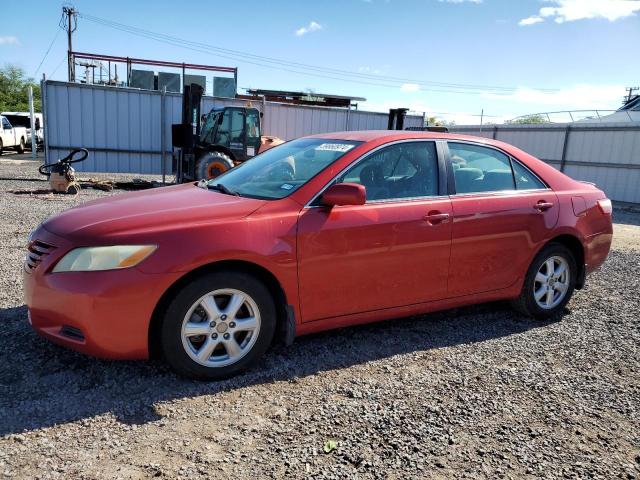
{"x": 542, "y": 206}
{"x": 436, "y": 217}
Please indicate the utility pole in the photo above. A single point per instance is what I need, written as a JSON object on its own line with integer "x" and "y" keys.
{"x": 71, "y": 23}
{"x": 630, "y": 94}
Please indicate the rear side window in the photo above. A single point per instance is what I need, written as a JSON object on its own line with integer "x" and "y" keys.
{"x": 480, "y": 169}
{"x": 525, "y": 180}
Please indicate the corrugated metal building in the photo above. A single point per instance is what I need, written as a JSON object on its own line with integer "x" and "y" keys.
{"x": 129, "y": 130}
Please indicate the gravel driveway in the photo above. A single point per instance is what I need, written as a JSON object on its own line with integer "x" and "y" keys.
{"x": 468, "y": 393}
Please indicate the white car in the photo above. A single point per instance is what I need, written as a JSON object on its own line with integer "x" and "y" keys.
{"x": 11, "y": 136}
{"x": 23, "y": 119}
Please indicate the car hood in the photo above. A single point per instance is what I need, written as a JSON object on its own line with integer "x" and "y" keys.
{"x": 150, "y": 211}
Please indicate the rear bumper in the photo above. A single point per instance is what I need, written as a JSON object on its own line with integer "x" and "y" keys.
{"x": 103, "y": 314}
{"x": 596, "y": 249}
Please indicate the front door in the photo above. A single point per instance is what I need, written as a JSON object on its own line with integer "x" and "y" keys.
{"x": 501, "y": 214}
{"x": 392, "y": 251}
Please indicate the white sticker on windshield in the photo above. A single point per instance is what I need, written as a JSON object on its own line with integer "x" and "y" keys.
{"x": 334, "y": 147}
{"x": 286, "y": 186}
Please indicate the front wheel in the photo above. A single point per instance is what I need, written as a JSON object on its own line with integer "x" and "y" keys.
{"x": 218, "y": 325}
{"x": 212, "y": 164}
{"x": 549, "y": 283}
{"x": 20, "y": 147}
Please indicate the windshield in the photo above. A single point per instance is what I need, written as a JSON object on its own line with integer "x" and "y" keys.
{"x": 281, "y": 170}
{"x": 207, "y": 131}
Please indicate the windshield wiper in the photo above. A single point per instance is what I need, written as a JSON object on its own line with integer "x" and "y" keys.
{"x": 221, "y": 188}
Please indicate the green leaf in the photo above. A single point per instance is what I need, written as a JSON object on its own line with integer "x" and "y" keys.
{"x": 329, "y": 446}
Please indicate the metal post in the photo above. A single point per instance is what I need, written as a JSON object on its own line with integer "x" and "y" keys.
{"x": 34, "y": 144}
{"x": 162, "y": 139}
{"x": 235, "y": 82}
{"x": 481, "y": 118}
{"x": 563, "y": 159}
{"x": 495, "y": 132}
{"x": 45, "y": 117}
{"x": 346, "y": 127}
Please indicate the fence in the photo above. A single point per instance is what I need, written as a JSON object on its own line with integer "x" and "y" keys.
{"x": 129, "y": 130}
{"x": 607, "y": 154}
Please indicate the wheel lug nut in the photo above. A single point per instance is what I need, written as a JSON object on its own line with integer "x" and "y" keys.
{"x": 226, "y": 336}
{"x": 212, "y": 324}
{"x": 223, "y": 317}
{"x": 214, "y": 336}
{"x": 232, "y": 324}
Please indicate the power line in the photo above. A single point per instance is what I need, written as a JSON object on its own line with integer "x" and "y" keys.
{"x": 295, "y": 67}
{"x": 58, "y": 66}
{"x": 55, "y": 37}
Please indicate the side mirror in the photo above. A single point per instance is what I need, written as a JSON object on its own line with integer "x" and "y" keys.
{"x": 344, "y": 194}
{"x": 37, "y": 124}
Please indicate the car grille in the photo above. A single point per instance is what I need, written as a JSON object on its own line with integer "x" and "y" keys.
{"x": 36, "y": 251}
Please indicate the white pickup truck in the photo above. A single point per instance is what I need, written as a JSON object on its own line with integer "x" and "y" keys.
{"x": 11, "y": 136}
{"x": 23, "y": 119}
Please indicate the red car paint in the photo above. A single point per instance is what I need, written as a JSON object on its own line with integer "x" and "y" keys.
{"x": 336, "y": 266}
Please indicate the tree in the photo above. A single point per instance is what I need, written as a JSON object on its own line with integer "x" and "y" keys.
{"x": 14, "y": 90}
{"x": 528, "y": 119}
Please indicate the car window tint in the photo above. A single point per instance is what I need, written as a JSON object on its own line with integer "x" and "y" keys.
{"x": 480, "y": 169}
{"x": 525, "y": 180}
{"x": 403, "y": 170}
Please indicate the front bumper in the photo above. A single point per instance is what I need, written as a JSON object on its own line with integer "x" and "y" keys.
{"x": 105, "y": 314}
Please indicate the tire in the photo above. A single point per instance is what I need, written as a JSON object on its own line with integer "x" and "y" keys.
{"x": 212, "y": 164}
{"x": 553, "y": 294}
{"x": 196, "y": 322}
{"x": 20, "y": 147}
{"x": 1, "y": 146}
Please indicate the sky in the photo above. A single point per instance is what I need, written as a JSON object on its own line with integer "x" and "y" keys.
{"x": 448, "y": 58}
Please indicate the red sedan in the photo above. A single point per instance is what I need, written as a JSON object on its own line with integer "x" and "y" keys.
{"x": 318, "y": 233}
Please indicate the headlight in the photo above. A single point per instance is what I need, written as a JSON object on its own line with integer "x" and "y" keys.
{"x": 103, "y": 258}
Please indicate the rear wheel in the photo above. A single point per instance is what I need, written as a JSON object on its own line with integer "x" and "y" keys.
{"x": 218, "y": 325}
{"x": 20, "y": 147}
{"x": 212, "y": 164}
{"x": 549, "y": 283}
{"x": 1, "y": 146}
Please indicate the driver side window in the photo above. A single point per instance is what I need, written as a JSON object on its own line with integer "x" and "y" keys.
{"x": 403, "y": 170}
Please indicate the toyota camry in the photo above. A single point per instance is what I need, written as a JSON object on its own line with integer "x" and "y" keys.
{"x": 320, "y": 232}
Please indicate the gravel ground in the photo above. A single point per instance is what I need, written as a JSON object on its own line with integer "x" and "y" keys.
{"x": 474, "y": 392}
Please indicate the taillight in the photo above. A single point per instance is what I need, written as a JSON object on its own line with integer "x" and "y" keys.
{"x": 605, "y": 206}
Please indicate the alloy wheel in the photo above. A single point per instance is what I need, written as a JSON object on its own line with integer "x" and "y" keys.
{"x": 221, "y": 327}
{"x": 551, "y": 283}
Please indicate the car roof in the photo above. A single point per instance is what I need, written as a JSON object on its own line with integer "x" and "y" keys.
{"x": 391, "y": 135}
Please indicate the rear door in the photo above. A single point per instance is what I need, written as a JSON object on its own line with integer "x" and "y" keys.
{"x": 501, "y": 213}
{"x": 392, "y": 251}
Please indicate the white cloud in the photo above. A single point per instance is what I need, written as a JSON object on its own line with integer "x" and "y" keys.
{"x": 410, "y": 87}
{"x": 9, "y": 41}
{"x": 571, "y": 98}
{"x": 572, "y": 10}
{"x": 530, "y": 20}
{"x": 460, "y": 1}
{"x": 312, "y": 27}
